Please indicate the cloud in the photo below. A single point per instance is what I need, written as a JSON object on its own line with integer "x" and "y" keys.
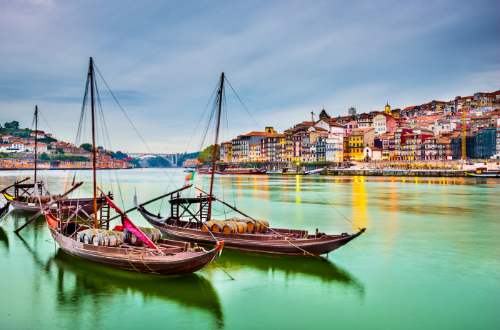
{"x": 285, "y": 59}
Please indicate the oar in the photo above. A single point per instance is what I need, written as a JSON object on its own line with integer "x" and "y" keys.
{"x": 12, "y": 185}
{"x": 152, "y": 200}
{"x": 48, "y": 205}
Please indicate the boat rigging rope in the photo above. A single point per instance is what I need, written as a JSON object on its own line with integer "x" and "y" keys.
{"x": 136, "y": 130}
{"x": 241, "y": 101}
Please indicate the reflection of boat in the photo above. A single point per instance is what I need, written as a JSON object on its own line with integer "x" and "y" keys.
{"x": 97, "y": 282}
{"x": 324, "y": 270}
{"x": 191, "y": 291}
{"x": 189, "y": 217}
{"x": 4, "y": 210}
{"x": 4, "y": 238}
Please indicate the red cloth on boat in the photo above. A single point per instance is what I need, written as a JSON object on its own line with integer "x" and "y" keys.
{"x": 129, "y": 225}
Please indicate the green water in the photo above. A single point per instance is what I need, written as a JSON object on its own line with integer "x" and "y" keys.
{"x": 430, "y": 259}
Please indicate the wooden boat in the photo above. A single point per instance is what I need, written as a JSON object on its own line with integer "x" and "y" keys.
{"x": 25, "y": 199}
{"x": 170, "y": 258}
{"x": 127, "y": 247}
{"x": 274, "y": 241}
{"x": 189, "y": 218}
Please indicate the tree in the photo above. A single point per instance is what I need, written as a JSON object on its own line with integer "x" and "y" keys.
{"x": 119, "y": 155}
{"x": 12, "y": 125}
{"x": 86, "y": 147}
{"x": 44, "y": 157}
{"x": 206, "y": 155}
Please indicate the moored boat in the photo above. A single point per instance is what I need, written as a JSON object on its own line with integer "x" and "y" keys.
{"x": 164, "y": 257}
{"x": 28, "y": 197}
{"x": 87, "y": 235}
{"x": 484, "y": 174}
{"x": 233, "y": 171}
{"x": 191, "y": 220}
{"x": 272, "y": 241}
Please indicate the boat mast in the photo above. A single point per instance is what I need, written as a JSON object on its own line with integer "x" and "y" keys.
{"x": 94, "y": 148}
{"x": 36, "y": 142}
{"x": 220, "y": 95}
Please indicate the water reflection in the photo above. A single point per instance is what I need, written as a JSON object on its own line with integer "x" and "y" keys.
{"x": 91, "y": 281}
{"x": 359, "y": 201}
{"x": 4, "y": 239}
{"x": 321, "y": 269}
{"x": 79, "y": 283}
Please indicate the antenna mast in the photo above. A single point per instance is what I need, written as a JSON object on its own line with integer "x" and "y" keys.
{"x": 36, "y": 143}
{"x": 94, "y": 148}
{"x": 220, "y": 95}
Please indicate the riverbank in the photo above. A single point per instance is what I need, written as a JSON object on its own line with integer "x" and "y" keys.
{"x": 396, "y": 172}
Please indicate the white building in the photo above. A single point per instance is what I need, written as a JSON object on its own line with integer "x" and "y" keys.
{"x": 380, "y": 124}
{"x": 335, "y": 144}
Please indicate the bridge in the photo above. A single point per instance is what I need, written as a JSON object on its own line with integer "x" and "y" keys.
{"x": 171, "y": 158}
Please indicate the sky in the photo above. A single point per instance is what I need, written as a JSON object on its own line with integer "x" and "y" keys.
{"x": 285, "y": 59}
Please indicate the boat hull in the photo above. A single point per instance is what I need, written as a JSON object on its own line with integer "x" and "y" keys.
{"x": 268, "y": 244}
{"x": 484, "y": 175}
{"x": 69, "y": 203}
{"x": 175, "y": 264}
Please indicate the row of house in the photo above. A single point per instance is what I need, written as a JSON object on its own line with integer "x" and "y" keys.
{"x": 431, "y": 131}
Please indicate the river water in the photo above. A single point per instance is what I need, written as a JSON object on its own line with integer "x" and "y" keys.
{"x": 430, "y": 259}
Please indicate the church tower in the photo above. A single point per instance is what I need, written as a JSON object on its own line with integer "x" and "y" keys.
{"x": 387, "y": 109}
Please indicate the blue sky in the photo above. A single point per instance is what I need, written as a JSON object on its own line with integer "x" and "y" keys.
{"x": 284, "y": 58}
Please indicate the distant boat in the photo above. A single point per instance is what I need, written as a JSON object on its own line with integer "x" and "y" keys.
{"x": 27, "y": 197}
{"x": 315, "y": 171}
{"x": 241, "y": 171}
{"x": 275, "y": 171}
{"x": 233, "y": 171}
{"x": 484, "y": 174}
{"x": 191, "y": 220}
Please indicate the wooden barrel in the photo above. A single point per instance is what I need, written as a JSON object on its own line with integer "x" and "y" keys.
{"x": 242, "y": 227}
{"x": 206, "y": 226}
{"x": 217, "y": 226}
{"x": 263, "y": 226}
{"x": 230, "y": 227}
{"x": 250, "y": 226}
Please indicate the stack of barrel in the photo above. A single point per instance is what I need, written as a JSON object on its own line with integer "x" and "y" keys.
{"x": 236, "y": 226}
{"x": 101, "y": 237}
{"x": 152, "y": 233}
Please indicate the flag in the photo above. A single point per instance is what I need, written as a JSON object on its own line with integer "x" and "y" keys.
{"x": 130, "y": 226}
{"x": 189, "y": 178}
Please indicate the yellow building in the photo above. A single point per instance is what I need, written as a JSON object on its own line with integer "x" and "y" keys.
{"x": 358, "y": 140}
